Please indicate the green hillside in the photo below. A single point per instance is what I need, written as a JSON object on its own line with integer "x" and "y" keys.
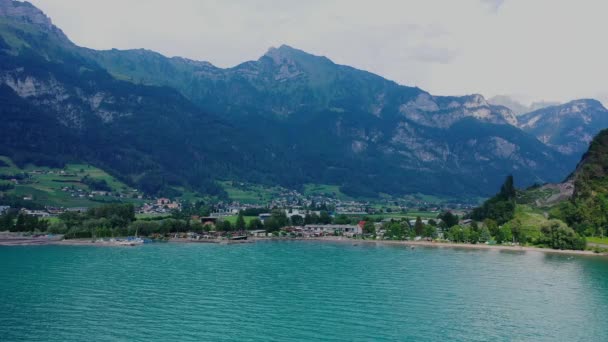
{"x": 75, "y": 185}
{"x": 250, "y": 193}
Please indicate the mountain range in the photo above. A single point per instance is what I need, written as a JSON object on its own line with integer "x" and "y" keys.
{"x": 288, "y": 118}
{"x": 519, "y": 108}
{"x": 568, "y": 128}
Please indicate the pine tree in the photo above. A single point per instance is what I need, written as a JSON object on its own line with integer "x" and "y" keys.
{"x": 507, "y": 191}
{"x": 419, "y": 227}
{"x": 240, "y": 222}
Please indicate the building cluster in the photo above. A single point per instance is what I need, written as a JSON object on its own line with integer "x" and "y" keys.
{"x": 77, "y": 192}
{"x": 327, "y": 230}
{"x": 160, "y": 206}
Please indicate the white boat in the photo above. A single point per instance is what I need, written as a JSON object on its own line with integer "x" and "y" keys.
{"x": 130, "y": 242}
{"x": 127, "y": 242}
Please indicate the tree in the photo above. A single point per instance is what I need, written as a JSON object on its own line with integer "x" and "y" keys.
{"x": 492, "y": 226}
{"x": 297, "y": 220}
{"x": 558, "y": 235}
{"x": 224, "y": 226}
{"x": 455, "y": 234}
{"x": 449, "y": 219}
{"x": 20, "y": 225}
{"x": 312, "y": 218}
{"x": 507, "y": 190}
{"x": 517, "y": 231}
{"x": 394, "y": 230}
{"x": 324, "y": 218}
{"x": 342, "y": 219}
{"x": 120, "y": 215}
{"x": 501, "y": 207}
{"x": 419, "y": 226}
{"x": 369, "y": 228}
{"x": 145, "y": 228}
{"x": 430, "y": 231}
{"x": 7, "y": 221}
{"x": 272, "y": 225}
{"x": 240, "y": 222}
{"x": 473, "y": 235}
{"x": 174, "y": 226}
{"x": 277, "y": 220}
{"x": 504, "y": 234}
{"x": 484, "y": 235}
{"x": 255, "y": 224}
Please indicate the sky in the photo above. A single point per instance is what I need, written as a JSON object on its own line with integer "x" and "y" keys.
{"x": 531, "y": 50}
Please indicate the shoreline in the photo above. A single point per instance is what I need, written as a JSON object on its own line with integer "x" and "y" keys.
{"x": 428, "y": 244}
{"x": 431, "y": 244}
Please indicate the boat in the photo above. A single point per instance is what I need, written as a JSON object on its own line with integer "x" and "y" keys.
{"x": 132, "y": 242}
{"x": 127, "y": 242}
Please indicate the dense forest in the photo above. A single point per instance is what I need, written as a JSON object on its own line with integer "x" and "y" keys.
{"x": 587, "y": 210}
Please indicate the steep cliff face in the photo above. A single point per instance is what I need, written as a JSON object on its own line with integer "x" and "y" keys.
{"x": 436, "y": 111}
{"x": 289, "y": 118}
{"x": 25, "y": 12}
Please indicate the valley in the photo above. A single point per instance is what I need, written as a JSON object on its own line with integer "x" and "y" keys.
{"x": 288, "y": 119}
{"x": 176, "y": 140}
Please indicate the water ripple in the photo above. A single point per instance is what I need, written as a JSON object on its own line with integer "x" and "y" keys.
{"x": 298, "y": 291}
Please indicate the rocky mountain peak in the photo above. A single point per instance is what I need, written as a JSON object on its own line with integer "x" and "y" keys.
{"x": 584, "y": 104}
{"x": 286, "y": 54}
{"x": 569, "y": 127}
{"x": 25, "y": 12}
{"x": 475, "y": 100}
{"x": 282, "y": 53}
{"x": 286, "y": 62}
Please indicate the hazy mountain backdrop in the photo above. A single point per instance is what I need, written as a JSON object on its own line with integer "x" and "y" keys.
{"x": 288, "y": 118}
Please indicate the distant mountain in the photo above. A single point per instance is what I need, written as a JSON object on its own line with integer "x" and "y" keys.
{"x": 288, "y": 118}
{"x": 542, "y": 104}
{"x": 513, "y": 105}
{"x": 568, "y": 128}
{"x": 517, "y": 107}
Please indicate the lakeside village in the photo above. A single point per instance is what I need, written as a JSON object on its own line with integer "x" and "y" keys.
{"x": 163, "y": 219}
{"x": 499, "y": 221}
{"x": 109, "y": 224}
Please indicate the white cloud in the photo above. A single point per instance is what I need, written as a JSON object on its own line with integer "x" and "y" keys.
{"x": 541, "y": 49}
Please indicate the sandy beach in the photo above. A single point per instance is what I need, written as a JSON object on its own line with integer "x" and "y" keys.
{"x": 434, "y": 244}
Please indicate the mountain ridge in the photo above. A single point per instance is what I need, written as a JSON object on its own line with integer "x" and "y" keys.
{"x": 289, "y": 117}
{"x": 568, "y": 128}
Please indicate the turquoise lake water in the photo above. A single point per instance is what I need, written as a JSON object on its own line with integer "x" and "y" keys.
{"x": 299, "y": 291}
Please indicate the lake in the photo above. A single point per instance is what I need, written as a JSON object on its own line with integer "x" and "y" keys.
{"x": 299, "y": 291}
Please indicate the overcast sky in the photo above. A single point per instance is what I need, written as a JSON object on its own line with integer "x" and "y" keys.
{"x": 530, "y": 49}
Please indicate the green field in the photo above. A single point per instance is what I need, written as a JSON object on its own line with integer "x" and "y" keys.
{"x": 232, "y": 219}
{"x": 151, "y": 216}
{"x": 531, "y": 220}
{"x": 602, "y": 241}
{"x": 332, "y": 191}
{"x": 422, "y": 214}
{"x": 250, "y": 193}
{"x": 407, "y": 215}
{"x": 45, "y": 185}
